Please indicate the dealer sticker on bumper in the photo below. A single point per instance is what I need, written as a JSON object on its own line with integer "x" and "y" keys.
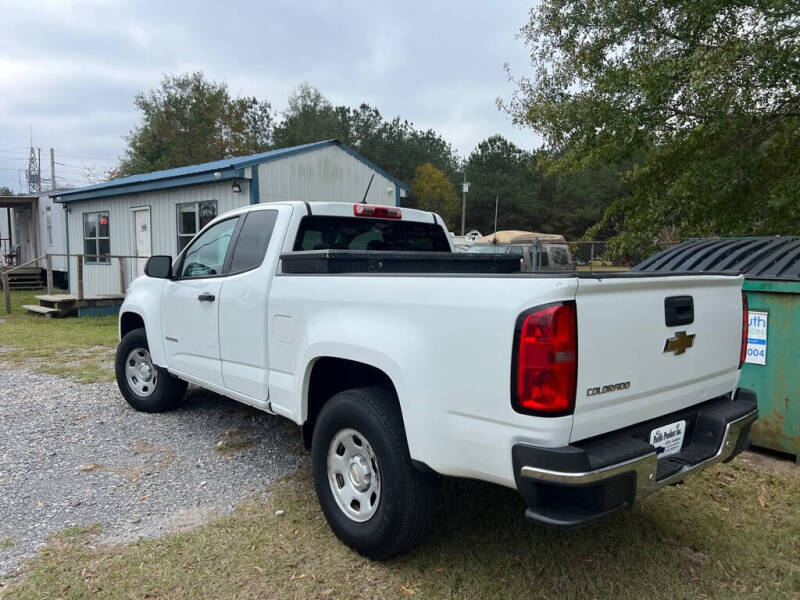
{"x": 669, "y": 438}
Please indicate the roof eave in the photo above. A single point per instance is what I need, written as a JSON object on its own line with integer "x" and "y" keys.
{"x": 234, "y": 169}
{"x": 214, "y": 176}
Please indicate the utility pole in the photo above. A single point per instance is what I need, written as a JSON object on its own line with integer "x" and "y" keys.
{"x": 496, "y": 207}
{"x": 464, "y": 190}
{"x": 52, "y": 169}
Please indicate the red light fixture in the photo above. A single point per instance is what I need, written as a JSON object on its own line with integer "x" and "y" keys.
{"x": 377, "y": 212}
{"x": 745, "y": 329}
{"x": 545, "y": 361}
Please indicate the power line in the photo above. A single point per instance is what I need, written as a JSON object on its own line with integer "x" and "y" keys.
{"x": 70, "y": 155}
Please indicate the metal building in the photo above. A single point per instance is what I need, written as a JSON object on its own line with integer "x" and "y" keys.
{"x": 31, "y": 226}
{"x": 159, "y": 212}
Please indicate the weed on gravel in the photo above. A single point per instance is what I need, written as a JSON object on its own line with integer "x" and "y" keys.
{"x": 731, "y": 532}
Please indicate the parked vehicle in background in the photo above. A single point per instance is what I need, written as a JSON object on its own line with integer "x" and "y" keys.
{"x": 462, "y": 242}
{"x": 537, "y": 251}
{"x": 586, "y": 393}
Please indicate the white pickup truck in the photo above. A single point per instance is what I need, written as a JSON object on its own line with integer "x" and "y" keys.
{"x": 584, "y": 391}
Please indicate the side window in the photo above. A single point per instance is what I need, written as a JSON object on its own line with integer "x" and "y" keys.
{"x": 192, "y": 217}
{"x": 251, "y": 245}
{"x": 49, "y": 221}
{"x": 96, "y": 237}
{"x": 543, "y": 260}
{"x": 206, "y": 255}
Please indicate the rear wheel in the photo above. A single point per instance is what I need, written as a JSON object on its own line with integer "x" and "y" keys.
{"x": 145, "y": 386}
{"x": 374, "y": 499}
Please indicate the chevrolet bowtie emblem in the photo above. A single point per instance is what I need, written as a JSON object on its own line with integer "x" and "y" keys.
{"x": 679, "y": 343}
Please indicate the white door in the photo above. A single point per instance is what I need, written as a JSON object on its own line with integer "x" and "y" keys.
{"x": 141, "y": 239}
{"x": 23, "y": 229}
{"x": 190, "y": 305}
{"x": 243, "y": 335}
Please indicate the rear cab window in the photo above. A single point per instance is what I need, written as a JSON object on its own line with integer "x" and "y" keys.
{"x": 252, "y": 241}
{"x": 319, "y": 232}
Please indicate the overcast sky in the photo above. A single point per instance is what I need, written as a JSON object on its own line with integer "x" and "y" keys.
{"x": 69, "y": 69}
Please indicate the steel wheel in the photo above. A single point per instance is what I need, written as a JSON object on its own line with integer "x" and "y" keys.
{"x": 353, "y": 475}
{"x": 140, "y": 373}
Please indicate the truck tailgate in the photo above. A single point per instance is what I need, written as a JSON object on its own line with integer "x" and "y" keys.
{"x": 633, "y": 367}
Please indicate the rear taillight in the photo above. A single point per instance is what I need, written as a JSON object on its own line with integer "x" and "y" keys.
{"x": 378, "y": 212}
{"x": 745, "y": 324}
{"x": 545, "y": 360}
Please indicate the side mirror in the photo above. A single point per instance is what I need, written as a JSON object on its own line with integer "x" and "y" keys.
{"x": 159, "y": 266}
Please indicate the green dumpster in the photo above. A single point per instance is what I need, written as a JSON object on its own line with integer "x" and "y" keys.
{"x": 772, "y": 367}
{"x": 771, "y": 267}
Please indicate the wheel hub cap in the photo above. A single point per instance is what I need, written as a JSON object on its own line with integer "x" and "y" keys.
{"x": 360, "y": 474}
{"x": 354, "y": 475}
{"x": 140, "y": 373}
{"x": 144, "y": 372}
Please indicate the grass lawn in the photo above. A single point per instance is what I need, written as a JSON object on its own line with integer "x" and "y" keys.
{"x": 78, "y": 348}
{"x": 732, "y": 532}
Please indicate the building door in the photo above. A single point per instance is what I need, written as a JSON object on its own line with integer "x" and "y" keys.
{"x": 142, "y": 240}
{"x": 23, "y": 233}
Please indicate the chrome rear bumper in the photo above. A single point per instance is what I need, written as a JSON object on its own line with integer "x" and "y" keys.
{"x": 646, "y": 467}
{"x": 575, "y": 485}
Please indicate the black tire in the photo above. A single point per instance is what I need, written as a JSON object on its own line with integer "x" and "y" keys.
{"x": 406, "y": 507}
{"x": 167, "y": 391}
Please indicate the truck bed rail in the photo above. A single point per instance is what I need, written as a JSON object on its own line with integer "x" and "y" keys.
{"x": 377, "y": 261}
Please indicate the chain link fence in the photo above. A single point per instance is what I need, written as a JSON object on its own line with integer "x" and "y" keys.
{"x": 600, "y": 256}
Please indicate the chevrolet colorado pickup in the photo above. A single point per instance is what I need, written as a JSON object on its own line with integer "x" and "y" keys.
{"x": 584, "y": 391}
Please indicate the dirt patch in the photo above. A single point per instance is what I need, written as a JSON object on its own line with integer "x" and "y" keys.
{"x": 235, "y": 440}
{"x": 153, "y": 457}
{"x": 768, "y": 462}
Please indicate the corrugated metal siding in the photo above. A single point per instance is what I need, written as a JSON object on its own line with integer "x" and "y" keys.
{"x": 104, "y": 278}
{"x": 329, "y": 174}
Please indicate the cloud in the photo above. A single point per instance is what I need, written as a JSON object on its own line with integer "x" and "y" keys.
{"x": 69, "y": 69}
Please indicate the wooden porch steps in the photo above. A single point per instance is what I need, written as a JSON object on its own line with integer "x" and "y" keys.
{"x": 67, "y": 305}
{"x": 41, "y": 310}
{"x": 27, "y": 278}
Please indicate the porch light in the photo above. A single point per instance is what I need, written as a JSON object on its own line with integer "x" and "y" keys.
{"x": 236, "y": 187}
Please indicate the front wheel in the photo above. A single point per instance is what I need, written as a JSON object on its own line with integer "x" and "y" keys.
{"x": 145, "y": 386}
{"x": 373, "y": 498}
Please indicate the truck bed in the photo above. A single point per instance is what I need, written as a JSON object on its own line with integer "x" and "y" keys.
{"x": 338, "y": 262}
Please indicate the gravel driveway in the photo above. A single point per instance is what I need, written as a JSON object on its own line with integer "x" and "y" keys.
{"x": 74, "y": 454}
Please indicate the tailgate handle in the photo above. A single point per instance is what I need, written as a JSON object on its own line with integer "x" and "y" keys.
{"x": 678, "y": 310}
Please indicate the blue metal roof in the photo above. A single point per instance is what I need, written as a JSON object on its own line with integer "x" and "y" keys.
{"x": 218, "y": 170}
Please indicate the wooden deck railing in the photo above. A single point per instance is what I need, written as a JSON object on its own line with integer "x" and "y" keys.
{"x": 80, "y": 261}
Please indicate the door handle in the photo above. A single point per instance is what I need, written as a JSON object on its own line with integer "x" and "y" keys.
{"x": 206, "y": 297}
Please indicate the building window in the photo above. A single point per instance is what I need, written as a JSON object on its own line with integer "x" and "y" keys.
{"x": 192, "y": 217}
{"x": 49, "y": 221}
{"x": 96, "y": 239}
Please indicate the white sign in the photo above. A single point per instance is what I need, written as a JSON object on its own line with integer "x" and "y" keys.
{"x": 756, "y": 338}
{"x": 668, "y": 439}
